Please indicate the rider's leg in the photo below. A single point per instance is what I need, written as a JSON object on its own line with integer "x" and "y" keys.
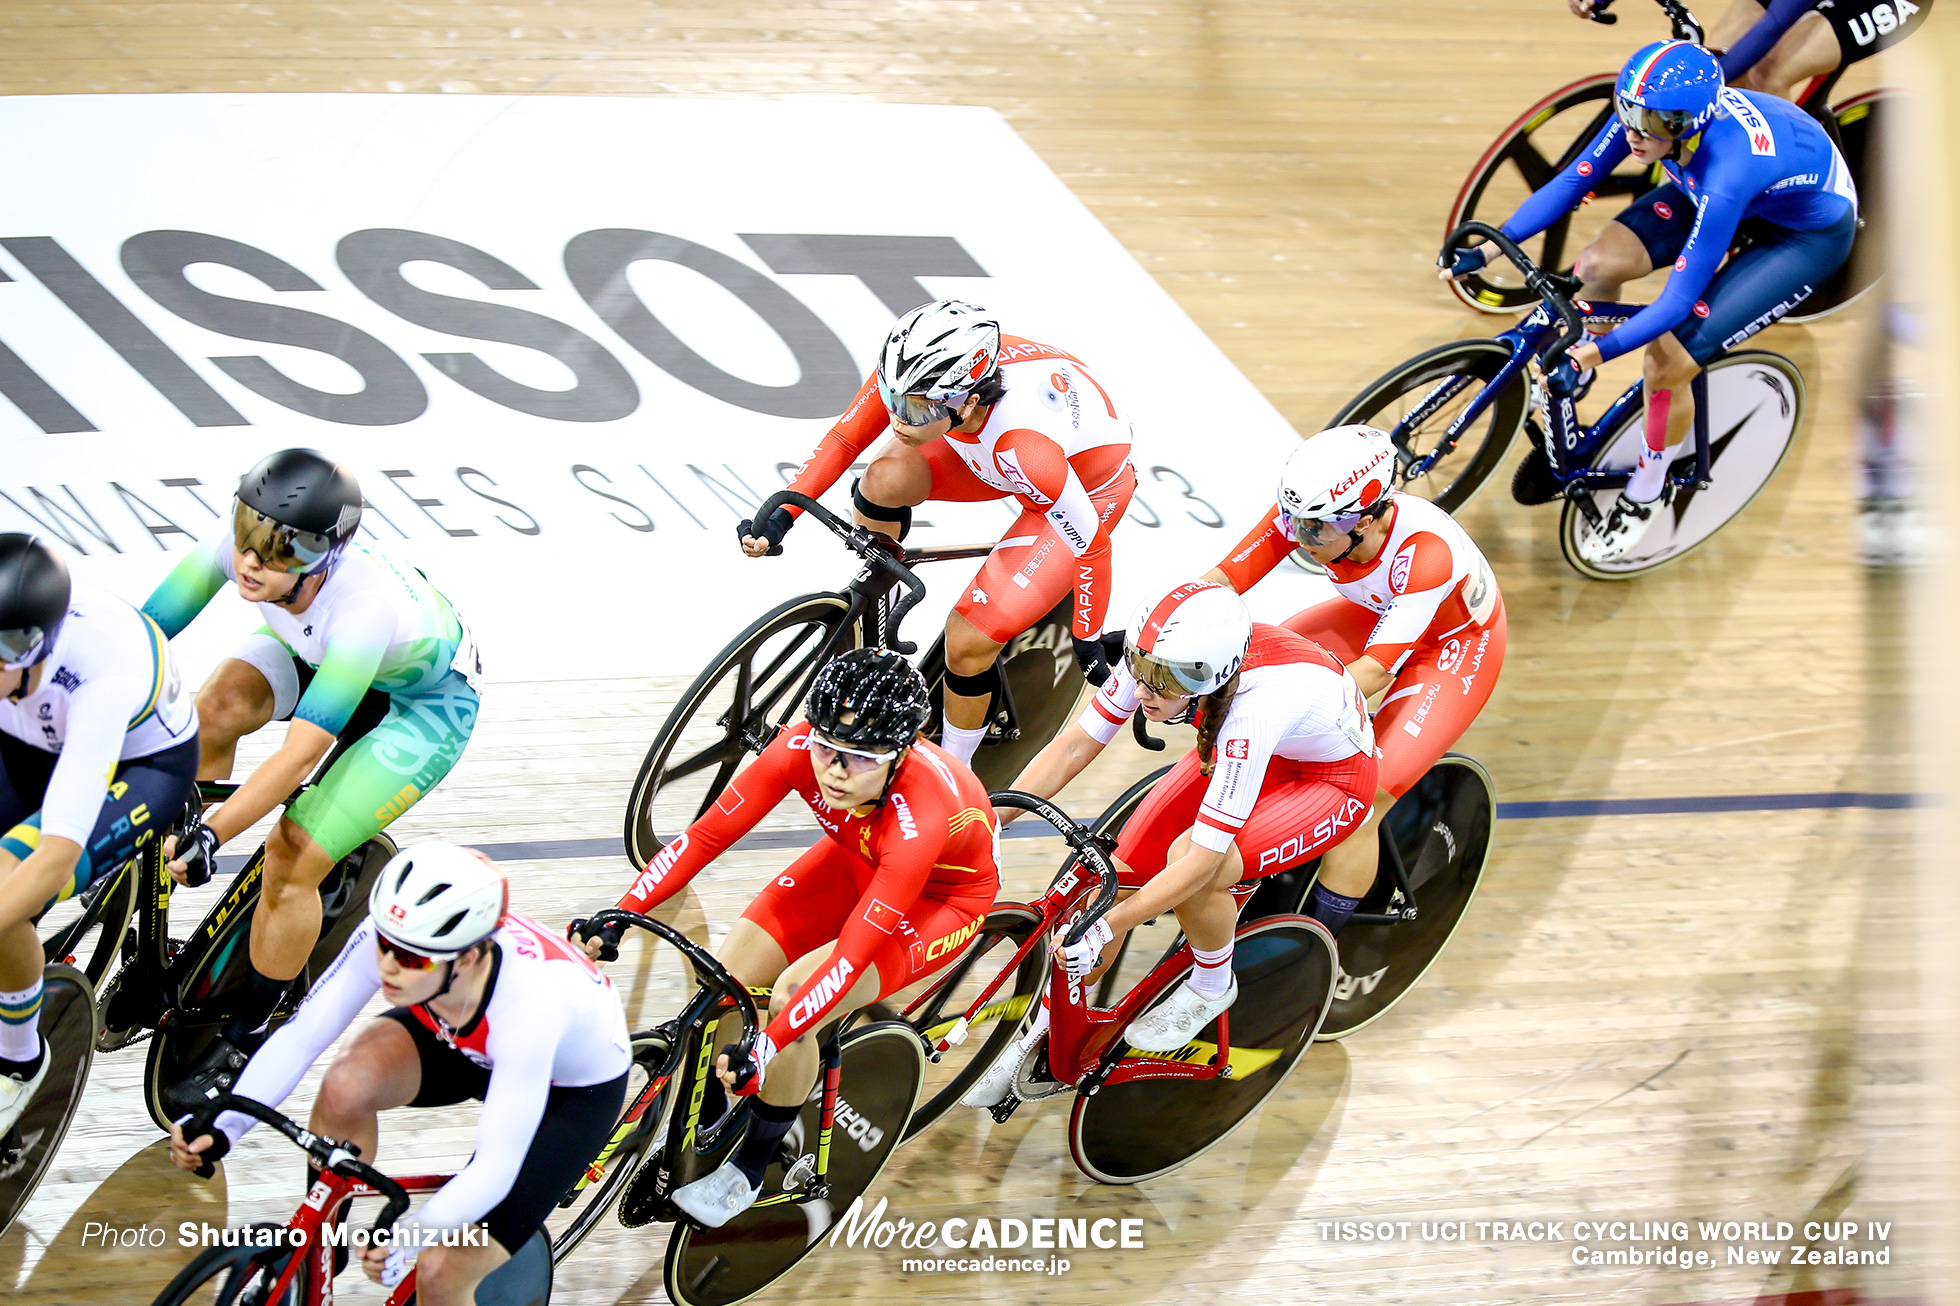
{"x": 1615, "y": 257}
{"x": 237, "y": 700}
{"x": 380, "y": 1070}
{"x": 970, "y": 657}
{"x": 1739, "y": 17}
{"x": 448, "y": 1276}
{"x": 899, "y": 477}
{"x": 1808, "y": 50}
{"x": 1666, "y": 370}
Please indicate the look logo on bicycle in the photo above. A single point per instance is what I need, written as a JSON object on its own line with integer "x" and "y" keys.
{"x": 485, "y": 1003}
{"x": 1419, "y": 620}
{"x": 976, "y": 415}
{"x": 1753, "y": 156}
{"x": 356, "y": 647}
{"x": 1284, "y": 770}
{"x": 896, "y": 891}
{"x": 92, "y": 701}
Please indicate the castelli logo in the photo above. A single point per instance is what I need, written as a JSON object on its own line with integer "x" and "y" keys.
{"x": 1059, "y": 381}
{"x": 1681, "y": 262}
{"x": 1585, "y": 168}
{"x": 980, "y": 362}
{"x": 1701, "y": 308}
{"x": 1663, "y": 210}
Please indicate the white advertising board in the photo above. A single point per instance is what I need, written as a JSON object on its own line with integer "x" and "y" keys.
{"x": 565, "y": 343}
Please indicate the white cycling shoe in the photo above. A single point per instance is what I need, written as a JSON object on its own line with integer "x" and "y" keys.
{"x": 1179, "y": 1019}
{"x": 16, "y": 1093}
{"x": 718, "y": 1198}
{"x": 993, "y": 1087}
{"x": 1625, "y": 525}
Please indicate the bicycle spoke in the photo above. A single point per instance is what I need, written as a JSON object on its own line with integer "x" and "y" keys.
{"x": 708, "y": 756}
{"x": 1534, "y": 166}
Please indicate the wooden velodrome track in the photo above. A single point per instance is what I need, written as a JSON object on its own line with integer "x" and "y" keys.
{"x": 1650, "y": 1017}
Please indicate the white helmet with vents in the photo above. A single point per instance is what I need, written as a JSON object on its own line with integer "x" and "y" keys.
{"x": 941, "y": 350}
{"x": 1341, "y": 472}
{"x": 438, "y": 899}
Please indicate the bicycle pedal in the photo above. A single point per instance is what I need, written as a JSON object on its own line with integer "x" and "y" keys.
{"x": 800, "y": 1173}
{"x": 1004, "y": 1108}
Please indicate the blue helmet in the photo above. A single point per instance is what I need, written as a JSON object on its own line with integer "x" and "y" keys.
{"x": 1668, "y": 89}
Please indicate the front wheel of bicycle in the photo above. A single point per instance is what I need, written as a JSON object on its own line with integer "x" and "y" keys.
{"x": 1449, "y": 377}
{"x": 94, "y": 938}
{"x": 728, "y": 715}
{"x": 597, "y": 1190}
{"x": 1755, "y": 413}
{"x": 992, "y": 1028}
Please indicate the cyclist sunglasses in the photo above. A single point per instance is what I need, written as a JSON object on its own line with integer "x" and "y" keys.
{"x": 856, "y": 761}
{"x": 17, "y": 646}
{"x": 404, "y": 958}
{"x": 1164, "y": 679}
{"x": 278, "y": 546}
{"x": 1659, "y": 124}
{"x": 1320, "y": 531}
{"x": 917, "y": 410}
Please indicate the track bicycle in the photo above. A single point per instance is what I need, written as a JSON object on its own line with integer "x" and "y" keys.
{"x": 27, "y": 1149}
{"x": 1435, "y": 844}
{"x": 1546, "y": 137}
{"x": 1453, "y": 411}
{"x": 854, "y": 1119}
{"x": 756, "y": 684}
{"x": 1136, "y": 1115}
{"x": 296, "y": 1267}
{"x": 186, "y": 991}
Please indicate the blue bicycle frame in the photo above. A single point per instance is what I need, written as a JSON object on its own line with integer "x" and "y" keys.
{"x": 1546, "y": 331}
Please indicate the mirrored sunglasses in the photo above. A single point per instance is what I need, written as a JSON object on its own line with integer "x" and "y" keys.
{"x": 1319, "y": 531}
{"x": 917, "y": 410}
{"x": 1159, "y": 677}
{"x": 404, "y": 958}
{"x": 1667, "y": 124}
{"x": 17, "y": 646}
{"x": 277, "y": 546}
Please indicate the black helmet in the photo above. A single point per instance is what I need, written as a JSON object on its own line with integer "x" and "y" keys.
{"x": 296, "y": 510}
{"x": 884, "y": 694}
{"x": 34, "y": 592}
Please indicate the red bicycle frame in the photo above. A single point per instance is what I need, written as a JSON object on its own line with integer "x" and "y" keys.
{"x": 306, "y": 1231}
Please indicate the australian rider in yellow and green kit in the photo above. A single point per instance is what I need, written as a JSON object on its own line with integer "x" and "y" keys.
{"x": 356, "y": 645}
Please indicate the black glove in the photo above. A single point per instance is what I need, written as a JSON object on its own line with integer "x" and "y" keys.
{"x": 197, "y": 849}
{"x": 195, "y": 1126}
{"x": 608, "y": 935}
{"x": 1462, "y": 262}
{"x": 1093, "y": 656}
{"x": 772, "y": 530}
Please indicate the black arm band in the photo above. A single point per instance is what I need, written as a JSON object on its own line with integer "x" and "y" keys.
{"x": 983, "y": 684}
{"x": 878, "y": 511}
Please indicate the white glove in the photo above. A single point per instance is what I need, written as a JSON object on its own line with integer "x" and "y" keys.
{"x": 1081, "y": 956}
{"x": 396, "y": 1267}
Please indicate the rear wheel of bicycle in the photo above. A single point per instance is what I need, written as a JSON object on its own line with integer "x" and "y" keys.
{"x": 729, "y": 714}
{"x": 1861, "y": 126}
{"x": 580, "y": 1211}
{"x": 1461, "y": 370}
{"x": 1140, "y": 1128}
{"x": 1442, "y": 827}
{"x": 224, "y": 1276}
{"x": 210, "y": 983}
{"x": 993, "y": 1028}
{"x": 67, "y": 1022}
{"x": 883, "y": 1067}
{"x": 93, "y": 939}
{"x": 1043, "y": 682}
{"x": 1526, "y": 155}
{"x": 1755, "y": 413}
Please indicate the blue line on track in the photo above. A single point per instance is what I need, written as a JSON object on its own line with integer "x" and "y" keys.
{"x": 567, "y": 849}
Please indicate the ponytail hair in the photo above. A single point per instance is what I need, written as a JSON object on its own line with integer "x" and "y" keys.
{"x": 1211, "y": 713}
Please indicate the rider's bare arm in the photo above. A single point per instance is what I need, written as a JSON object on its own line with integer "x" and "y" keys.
{"x": 270, "y": 782}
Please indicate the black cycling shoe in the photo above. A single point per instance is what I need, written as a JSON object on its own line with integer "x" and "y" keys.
{"x": 215, "y": 1072}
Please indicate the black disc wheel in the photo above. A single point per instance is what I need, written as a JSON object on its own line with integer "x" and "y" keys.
{"x": 592, "y": 1198}
{"x": 883, "y": 1067}
{"x": 1041, "y": 681}
{"x": 1526, "y": 155}
{"x": 67, "y": 1023}
{"x": 944, "y": 999}
{"x": 236, "y": 1276}
{"x": 728, "y": 715}
{"x": 1755, "y": 414}
{"x": 1136, "y": 1129}
{"x": 1861, "y": 127}
{"x": 214, "y": 980}
{"x": 1435, "y": 387}
{"x": 89, "y": 934}
{"x": 1442, "y": 829}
